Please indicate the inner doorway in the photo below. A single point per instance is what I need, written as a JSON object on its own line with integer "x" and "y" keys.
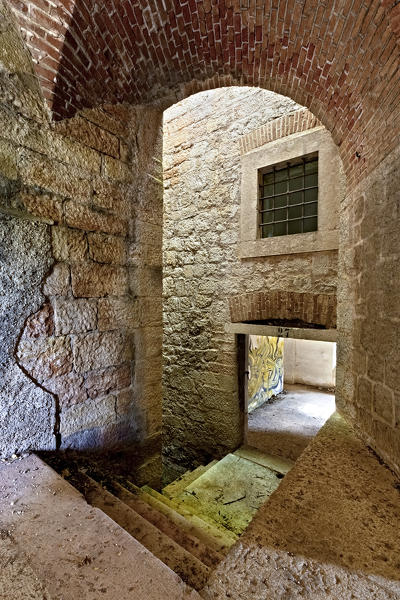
{"x": 290, "y": 392}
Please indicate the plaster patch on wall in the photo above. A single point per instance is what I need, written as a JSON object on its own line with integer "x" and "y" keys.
{"x": 266, "y": 369}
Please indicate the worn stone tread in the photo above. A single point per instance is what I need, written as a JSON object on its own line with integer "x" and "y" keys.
{"x": 193, "y": 526}
{"x": 189, "y": 568}
{"x": 176, "y": 487}
{"x": 276, "y": 463}
{"x": 204, "y": 553}
{"x": 226, "y": 538}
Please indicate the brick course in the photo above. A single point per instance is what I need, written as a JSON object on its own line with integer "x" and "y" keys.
{"x": 296, "y": 122}
{"x": 313, "y": 309}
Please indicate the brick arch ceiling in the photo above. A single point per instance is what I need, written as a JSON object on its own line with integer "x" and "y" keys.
{"x": 339, "y": 58}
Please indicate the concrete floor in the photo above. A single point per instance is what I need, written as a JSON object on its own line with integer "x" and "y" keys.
{"x": 286, "y": 424}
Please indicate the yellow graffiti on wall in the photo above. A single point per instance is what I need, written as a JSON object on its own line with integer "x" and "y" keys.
{"x": 266, "y": 369}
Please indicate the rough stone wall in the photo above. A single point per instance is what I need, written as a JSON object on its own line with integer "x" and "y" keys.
{"x": 202, "y": 271}
{"x": 80, "y": 265}
{"x": 369, "y": 310}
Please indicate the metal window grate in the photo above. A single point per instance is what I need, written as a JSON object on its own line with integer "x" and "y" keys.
{"x": 289, "y": 198}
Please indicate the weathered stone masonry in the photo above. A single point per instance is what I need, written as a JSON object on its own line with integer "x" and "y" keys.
{"x": 339, "y": 60}
{"x": 79, "y": 278}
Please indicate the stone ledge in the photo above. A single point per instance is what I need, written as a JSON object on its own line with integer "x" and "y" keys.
{"x": 329, "y": 531}
{"x": 300, "y": 243}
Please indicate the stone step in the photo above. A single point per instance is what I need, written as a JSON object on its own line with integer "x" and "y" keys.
{"x": 230, "y": 493}
{"x": 189, "y": 568}
{"x": 276, "y": 463}
{"x": 76, "y": 550}
{"x": 204, "y": 553}
{"x": 226, "y": 539}
{"x": 195, "y": 527}
{"x": 176, "y": 487}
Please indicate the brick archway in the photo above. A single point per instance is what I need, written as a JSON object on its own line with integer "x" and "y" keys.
{"x": 340, "y": 62}
{"x": 284, "y": 306}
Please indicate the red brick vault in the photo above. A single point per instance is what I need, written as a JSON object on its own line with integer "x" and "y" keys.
{"x": 340, "y": 59}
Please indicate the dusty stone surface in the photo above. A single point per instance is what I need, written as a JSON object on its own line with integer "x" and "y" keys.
{"x": 329, "y": 531}
{"x": 202, "y": 270}
{"x": 287, "y": 425}
{"x": 17, "y": 578}
{"x": 76, "y": 550}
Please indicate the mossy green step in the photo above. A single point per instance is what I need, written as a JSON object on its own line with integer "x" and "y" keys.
{"x": 175, "y": 488}
{"x": 191, "y": 526}
{"x": 225, "y": 537}
{"x": 189, "y": 568}
{"x": 181, "y": 535}
{"x": 230, "y": 493}
{"x": 276, "y": 463}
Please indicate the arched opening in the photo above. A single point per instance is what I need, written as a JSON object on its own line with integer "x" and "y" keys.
{"x": 323, "y": 69}
{"x": 212, "y": 141}
{"x": 81, "y": 330}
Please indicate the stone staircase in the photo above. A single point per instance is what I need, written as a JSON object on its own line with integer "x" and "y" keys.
{"x": 191, "y": 525}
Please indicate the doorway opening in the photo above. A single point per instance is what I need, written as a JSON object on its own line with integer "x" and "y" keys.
{"x": 290, "y": 392}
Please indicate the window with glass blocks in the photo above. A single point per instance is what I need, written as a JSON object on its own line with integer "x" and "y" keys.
{"x": 288, "y": 197}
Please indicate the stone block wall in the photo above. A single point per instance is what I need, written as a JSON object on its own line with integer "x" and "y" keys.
{"x": 203, "y": 276}
{"x": 80, "y": 235}
{"x": 368, "y": 381}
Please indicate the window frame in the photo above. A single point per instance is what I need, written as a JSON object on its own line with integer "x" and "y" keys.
{"x": 330, "y": 189}
{"x": 302, "y": 218}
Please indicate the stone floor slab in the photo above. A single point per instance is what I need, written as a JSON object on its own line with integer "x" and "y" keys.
{"x": 276, "y": 463}
{"x": 287, "y": 424}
